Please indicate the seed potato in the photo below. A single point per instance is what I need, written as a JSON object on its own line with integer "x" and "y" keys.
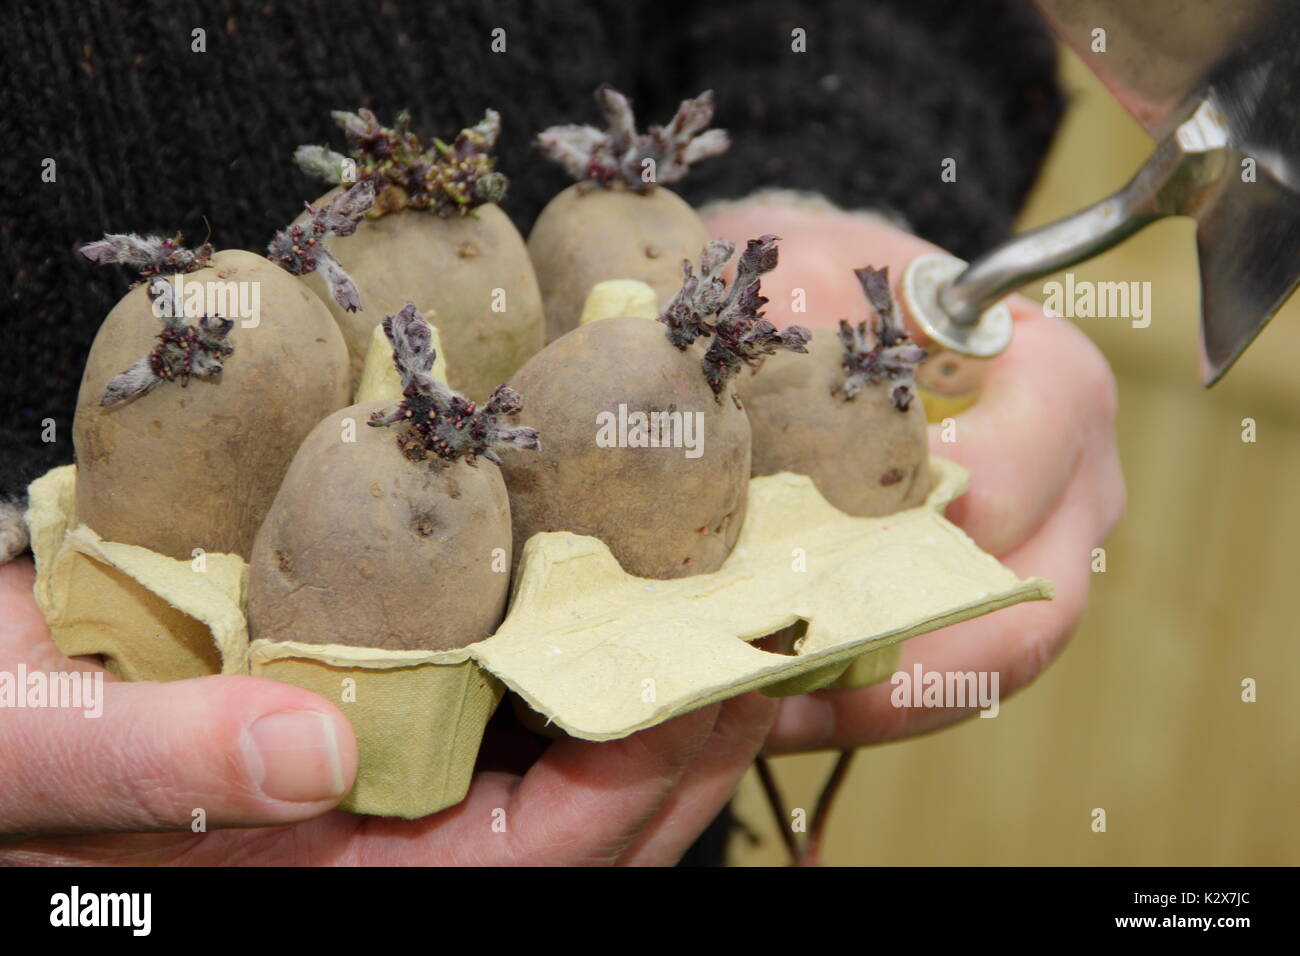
{"x": 365, "y": 547}
{"x": 588, "y": 234}
{"x": 662, "y": 514}
{"x": 450, "y": 267}
{"x": 619, "y": 221}
{"x": 865, "y": 456}
{"x": 191, "y": 467}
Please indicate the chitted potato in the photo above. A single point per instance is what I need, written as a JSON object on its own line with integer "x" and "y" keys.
{"x": 391, "y": 538}
{"x": 588, "y": 234}
{"x": 865, "y": 456}
{"x": 618, "y": 221}
{"x": 175, "y": 468}
{"x": 435, "y": 237}
{"x": 363, "y": 546}
{"x": 663, "y": 513}
{"x": 451, "y": 268}
{"x": 845, "y": 414}
{"x": 644, "y": 445}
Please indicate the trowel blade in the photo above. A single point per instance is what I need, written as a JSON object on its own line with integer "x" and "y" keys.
{"x": 1248, "y": 243}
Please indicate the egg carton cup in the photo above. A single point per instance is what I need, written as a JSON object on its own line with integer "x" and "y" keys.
{"x": 418, "y": 717}
{"x": 150, "y": 617}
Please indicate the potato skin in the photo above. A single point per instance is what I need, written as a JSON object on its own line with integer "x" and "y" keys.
{"x": 196, "y": 467}
{"x": 365, "y": 547}
{"x": 947, "y": 373}
{"x": 663, "y": 515}
{"x": 588, "y": 234}
{"x": 448, "y": 268}
{"x": 865, "y": 457}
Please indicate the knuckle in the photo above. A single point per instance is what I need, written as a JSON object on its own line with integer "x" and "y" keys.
{"x": 1115, "y": 496}
{"x": 1043, "y": 644}
{"x": 148, "y": 798}
{"x": 1097, "y": 384}
{"x": 1091, "y": 382}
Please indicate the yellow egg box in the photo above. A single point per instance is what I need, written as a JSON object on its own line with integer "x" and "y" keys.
{"x": 597, "y": 653}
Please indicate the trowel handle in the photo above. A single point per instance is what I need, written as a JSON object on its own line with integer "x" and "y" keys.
{"x": 954, "y": 306}
{"x": 1044, "y": 251}
{"x": 962, "y": 328}
{"x": 1169, "y": 183}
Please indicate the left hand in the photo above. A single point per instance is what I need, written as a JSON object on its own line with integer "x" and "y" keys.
{"x": 120, "y": 789}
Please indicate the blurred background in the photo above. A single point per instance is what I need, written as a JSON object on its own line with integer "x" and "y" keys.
{"x": 1142, "y": 715}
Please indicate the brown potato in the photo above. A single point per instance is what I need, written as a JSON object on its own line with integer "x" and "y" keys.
{"x": 180, "y": 468}
{"x": 662, "y": 513}
{"x": 450, "y": 268}
{"x": 367, "y": 548}
{"x": 588, "y": 234}
{"x": 864, "y": 455}
{"x": 948, "y": 373}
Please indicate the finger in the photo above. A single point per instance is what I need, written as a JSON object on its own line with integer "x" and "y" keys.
{"x": 324, "y": 841}
{"x": 1046, "y": 400}
{"x": 1017, "y": 642}
{"x": 711, "y": 781}
{"x": 581, "y": 803}
{"x": 808, "y": 286}
{"x": 230, "y": 751}
{"x": 594, "y": 798}
{"x": 18, "y": 575}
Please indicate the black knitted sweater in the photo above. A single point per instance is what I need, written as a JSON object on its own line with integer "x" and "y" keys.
{"x": 148, "y": 135}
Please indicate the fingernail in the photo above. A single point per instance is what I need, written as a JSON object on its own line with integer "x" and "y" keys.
{"x": 294, "y": 756}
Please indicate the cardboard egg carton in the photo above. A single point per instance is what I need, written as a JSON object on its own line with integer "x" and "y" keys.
{"x": 595, "y": 652}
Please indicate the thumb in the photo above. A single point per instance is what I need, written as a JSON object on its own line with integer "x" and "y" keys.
{"x": 233, "y": 751}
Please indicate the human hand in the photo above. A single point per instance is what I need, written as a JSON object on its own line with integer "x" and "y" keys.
{"x": 1045, "y": 483}
{"x": 255, "y": 753}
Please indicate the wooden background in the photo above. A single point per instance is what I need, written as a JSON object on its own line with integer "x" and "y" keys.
{"x": 1142, "y": 715}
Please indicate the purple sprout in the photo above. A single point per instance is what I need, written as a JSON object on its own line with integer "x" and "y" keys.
{"x": 618, "y": 154}
{"x": 148, "y": 255}
{"x": 705, "y": 308}
{"x": 300, "y": 249}
{"x": 183, "y": 351}
{"x": 437, "y": 420}
{"x": 879, "y": 350}
{"x": 442, "y": 178}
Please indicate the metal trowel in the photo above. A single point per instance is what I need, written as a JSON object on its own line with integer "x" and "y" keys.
{"x": 1217, "y": 85}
